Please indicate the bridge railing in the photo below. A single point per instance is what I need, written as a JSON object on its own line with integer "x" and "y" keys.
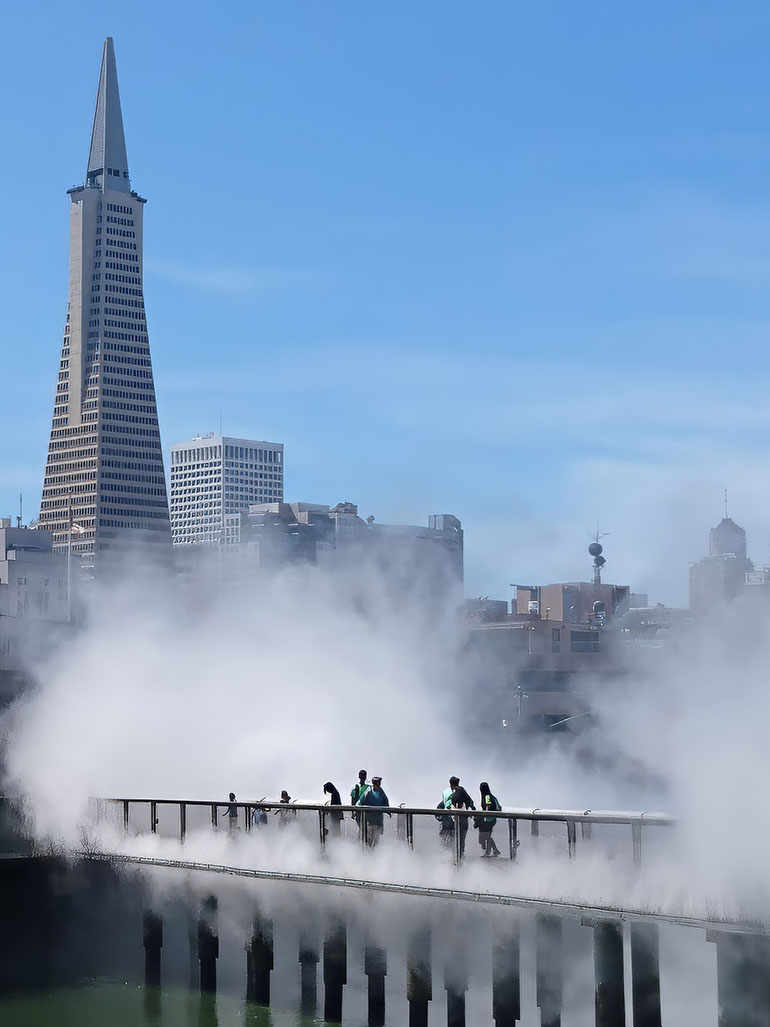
{"x": 144, "y": 815}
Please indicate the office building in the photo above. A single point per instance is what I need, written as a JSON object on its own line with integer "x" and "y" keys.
{"x": 104, "y": 473}
{"x": 33, "y": 579}
{"x": 277, "y": 533}
{"x": 574, "y": 602}
{"x": 720, "y": 577}
{"x": 214, "y": 478}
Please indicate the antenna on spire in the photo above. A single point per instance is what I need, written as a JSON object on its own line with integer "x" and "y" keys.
{"x": 595, "y": 550}
{"x": 725, "y": 502}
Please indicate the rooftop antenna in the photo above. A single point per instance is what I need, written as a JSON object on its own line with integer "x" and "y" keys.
{"x": 725, "y": 503}
{"x": 21, "y": 510}
{"x": 595, "y": 550}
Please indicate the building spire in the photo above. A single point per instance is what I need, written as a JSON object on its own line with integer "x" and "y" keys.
{"x": 107, "y": 161}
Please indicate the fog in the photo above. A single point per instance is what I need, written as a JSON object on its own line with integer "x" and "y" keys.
{"x": 192, "y": 689}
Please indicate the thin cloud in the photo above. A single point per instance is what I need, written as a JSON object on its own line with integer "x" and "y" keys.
{"x": 234, "y": 280}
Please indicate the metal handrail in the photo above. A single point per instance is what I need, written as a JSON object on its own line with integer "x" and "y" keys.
{"x": 405, "y": 818}
{"x": 512, "y": 813}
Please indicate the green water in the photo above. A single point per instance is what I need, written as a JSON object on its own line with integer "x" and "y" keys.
{"x": 114, "y": 1004}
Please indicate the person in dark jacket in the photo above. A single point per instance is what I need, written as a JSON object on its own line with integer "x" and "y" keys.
{"x": 460, "y": 799}
{"x": 377, "y": 798}
{"x": 357, "y": 792}
{"x": 336, "y": 815}
{"x": 486, "y": 825}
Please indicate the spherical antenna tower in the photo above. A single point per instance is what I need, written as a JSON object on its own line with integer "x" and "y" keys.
{"x": 595, "y": 550}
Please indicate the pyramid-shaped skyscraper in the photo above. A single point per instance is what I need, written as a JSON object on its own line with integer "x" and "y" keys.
{"x": 104, "y": 480}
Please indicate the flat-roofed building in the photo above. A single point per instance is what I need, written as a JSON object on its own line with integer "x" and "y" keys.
{"x": 214, "y": 479}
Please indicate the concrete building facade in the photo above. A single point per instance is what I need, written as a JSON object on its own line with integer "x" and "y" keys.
{"x": 104, "y": 472}
{"x": 277, "y": 533}
{"x": 33, "y": 579}
{"x": 573, "y": 602}
{"x": 214, "y": 479}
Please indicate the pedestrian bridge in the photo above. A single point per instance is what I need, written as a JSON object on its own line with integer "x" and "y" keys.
{"x": 411, "y": 952}
{"x": 416, "y": 827}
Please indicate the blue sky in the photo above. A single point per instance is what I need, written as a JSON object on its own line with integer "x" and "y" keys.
{"x": 505, "y": 260}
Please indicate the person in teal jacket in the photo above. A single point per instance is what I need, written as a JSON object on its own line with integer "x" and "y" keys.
{"x": 376, "y": 798}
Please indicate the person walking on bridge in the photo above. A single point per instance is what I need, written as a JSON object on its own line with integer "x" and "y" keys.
{"x": 486, "y": 825}
{"x": 335, "y": 815}
{"x": 232, "y": 814}
{"x": 358, "y": 791}
{"x": 376, "y": 797}
{"x": 460, "y": 800}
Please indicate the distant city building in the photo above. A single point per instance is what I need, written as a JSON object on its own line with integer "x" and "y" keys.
{"x": 728, "y": 539}
{"x": 757, "y": 584}
{"x": 575, "y": 602}
{"x": 33, "y": 579}
{"x": 104, "y": 473}
{"x": 277, "y": 533}
{"x": 720, "y": 577}
{"x": 213, "y": 479}
{"x": 483, "y": 610}
{"x": 651, "y": 624}
{"x": 538, "y": 673}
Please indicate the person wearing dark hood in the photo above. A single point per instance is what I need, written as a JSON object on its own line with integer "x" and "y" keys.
{"x": 460, "y": 799}
{"x": 486, "y": 825}
{"x": 335, "y": 815}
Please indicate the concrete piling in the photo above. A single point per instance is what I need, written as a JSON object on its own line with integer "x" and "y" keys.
{"x": 608, "y": 969}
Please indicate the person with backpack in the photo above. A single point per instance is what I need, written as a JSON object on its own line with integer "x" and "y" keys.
{"x": 358, "y": 791}
{"x": 486, "y": 825}
{"x": 455, "y": 797}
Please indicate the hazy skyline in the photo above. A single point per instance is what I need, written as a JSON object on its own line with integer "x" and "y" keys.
{"x": 502, "y": 262}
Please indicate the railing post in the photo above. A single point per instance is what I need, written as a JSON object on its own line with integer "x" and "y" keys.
{"x": 571, "y": 837}
{"x": 125, "y": 815}
{"x": 410, "y": 829}
{"x": 248, "y": 816}
{"x": 636, "y": 837}
{"x": 513, "y": 843}
{"x": 585, "y": 830}
{"x": 154, "y": 817}
{"x": 458, "y": 856}
{"x": 322, "y": 827}
{"x": 182, "y": 821}
{"x": 362, "y": 827}
{"x": 213, "y": 814}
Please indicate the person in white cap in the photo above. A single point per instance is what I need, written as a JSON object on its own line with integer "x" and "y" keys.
{"x": 377, "y": 798}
